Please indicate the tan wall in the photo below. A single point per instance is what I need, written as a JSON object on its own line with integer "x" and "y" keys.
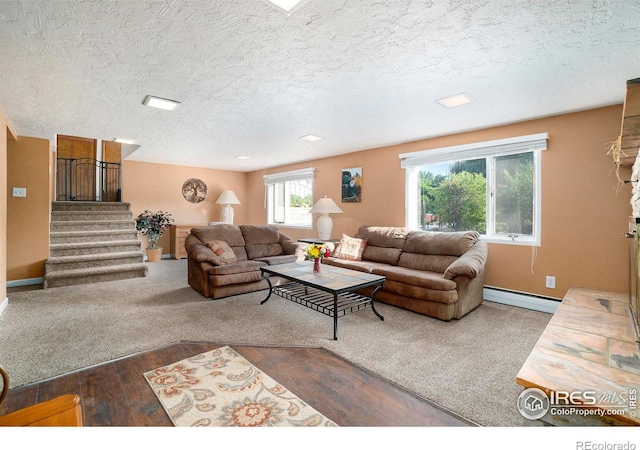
{"x": 159, "y": 187}
{"x": 28, "y": 162}
{"x": 583, "y": 217}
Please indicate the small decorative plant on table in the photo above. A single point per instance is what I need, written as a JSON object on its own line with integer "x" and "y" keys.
{"x": 316, "y": 252}
{"x": 152, "y": 225}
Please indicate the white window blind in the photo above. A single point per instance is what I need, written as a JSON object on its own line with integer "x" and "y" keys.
{"x": 293, "y": 175}
{"x": 499, "y": 147}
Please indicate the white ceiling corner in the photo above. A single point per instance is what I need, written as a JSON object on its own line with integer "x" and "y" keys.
{"x": 252, "y": 80}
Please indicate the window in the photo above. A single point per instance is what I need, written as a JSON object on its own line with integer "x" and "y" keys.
{"x": 289, "y": 197}
{"x": 490, "y": 187}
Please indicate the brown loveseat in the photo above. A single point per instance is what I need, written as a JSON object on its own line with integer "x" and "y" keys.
{"x": 216, "y": 273}
{"x": 439, "y": 274}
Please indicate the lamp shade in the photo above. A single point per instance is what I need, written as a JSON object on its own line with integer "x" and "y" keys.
{"x": 228, "y": 197}
{"x": 325, "y": 206}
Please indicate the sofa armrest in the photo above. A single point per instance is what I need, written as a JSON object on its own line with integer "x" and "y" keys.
{"x": 198, "y": 252}
{"x": 291, "y": 247}
{"x": 198, "y": 276}
{"x": 470, "y": 264}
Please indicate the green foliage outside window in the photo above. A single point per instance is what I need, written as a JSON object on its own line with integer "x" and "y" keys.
{"x": 458, "y": 200}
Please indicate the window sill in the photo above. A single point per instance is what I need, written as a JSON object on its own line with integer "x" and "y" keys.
{"x": 299, "y": 227}
{"x": 529, "y": 242}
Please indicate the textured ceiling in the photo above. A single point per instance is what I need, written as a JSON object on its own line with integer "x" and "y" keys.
{"x": 252, "y": 80}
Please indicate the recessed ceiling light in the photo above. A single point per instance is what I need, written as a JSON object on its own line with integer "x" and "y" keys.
{"x": 161, "y": 103}
{"x": 311, "y": 137}
{"x": 455, "y": 100}
{"x": 288, "y": 6}
{"x": 124, "y": 141}
{"x": 243, "y": 157}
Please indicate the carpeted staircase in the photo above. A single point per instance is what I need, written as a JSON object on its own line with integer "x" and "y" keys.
{"x": 92, "y": 242}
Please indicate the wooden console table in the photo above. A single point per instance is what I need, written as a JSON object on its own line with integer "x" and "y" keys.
{"x": 590, "y": 345}
{"x": 178, "y": 234}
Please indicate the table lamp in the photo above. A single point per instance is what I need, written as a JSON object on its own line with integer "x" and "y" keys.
{"x": 227, "y": 198}
{"x": 324, "y": 207}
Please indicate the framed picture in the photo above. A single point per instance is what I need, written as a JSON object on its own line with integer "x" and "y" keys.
{"x": 352, "y": 185}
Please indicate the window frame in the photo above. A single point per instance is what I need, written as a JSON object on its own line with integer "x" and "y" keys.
{"x": 535, "y": 143}
{"x": 283, "y": 177}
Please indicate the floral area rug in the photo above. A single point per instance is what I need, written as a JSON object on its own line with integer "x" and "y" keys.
{"x": 220, "y": 388}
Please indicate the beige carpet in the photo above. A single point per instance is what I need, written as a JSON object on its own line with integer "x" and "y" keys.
{"x": 220, "y": 388}
{"x": 468, "y": 366}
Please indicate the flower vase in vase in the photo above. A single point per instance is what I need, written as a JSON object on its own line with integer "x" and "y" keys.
{"x": 317, "y": 266}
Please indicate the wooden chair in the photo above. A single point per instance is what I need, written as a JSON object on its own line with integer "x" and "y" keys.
{"x": 63, "y": 411}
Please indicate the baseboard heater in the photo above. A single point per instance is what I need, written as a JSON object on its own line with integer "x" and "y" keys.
{"x": 521, "y": 299}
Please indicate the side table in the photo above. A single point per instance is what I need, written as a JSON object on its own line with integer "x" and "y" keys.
{"x": 330, "y": 243}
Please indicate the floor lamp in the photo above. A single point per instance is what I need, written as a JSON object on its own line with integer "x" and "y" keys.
{"x": 227, "y": 198}
{"x": 324, "y": 207}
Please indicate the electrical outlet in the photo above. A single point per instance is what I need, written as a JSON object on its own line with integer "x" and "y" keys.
{"x": 551, "y": 282}
{"x": 19, "y": 192}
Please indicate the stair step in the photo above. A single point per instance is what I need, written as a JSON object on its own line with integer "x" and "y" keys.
{"x": 89, "y": 206}
{"x": 92, "y": 225}
{"x": 68, "y": 237}
{"x": 65, "y": 216}
{"x": 93, "y": 248}
{"x": 91, "y": 261}
{"x": 94, "y": 275}
{"x": 92, "y": 242}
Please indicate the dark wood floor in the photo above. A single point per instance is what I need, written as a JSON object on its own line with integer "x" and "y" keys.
{"x": 117, "y": 394}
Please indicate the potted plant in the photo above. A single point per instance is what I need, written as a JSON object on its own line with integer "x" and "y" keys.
{"x": 152, "y": 225}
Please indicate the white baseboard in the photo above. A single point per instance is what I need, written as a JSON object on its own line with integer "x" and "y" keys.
{"x": 4, "y": 305}
{"x": 521, "y": 299}
{"x": 25, "y": 282}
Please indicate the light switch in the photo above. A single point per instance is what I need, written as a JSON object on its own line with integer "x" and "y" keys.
{"x": 19, "y": 192}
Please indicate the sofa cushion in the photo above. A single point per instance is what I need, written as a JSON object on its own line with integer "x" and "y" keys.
{"x": 384, "y": 244}
{"x": 361, "y": 266}
{"x": 234, "y": 278}
{"x": 382, "y": 254}
{"x": 432, "y": 263}
{"x": 421, "y": 293}
{"x": 388, "y": 237}
{"x": 227, "y": 232}
{"x": 431, "y": 280}
{"x": 280, "y": 259}
{"x": 261, "y": 241}
{"x": 239, "y": 267}
{"x": 224, "y": 254}
{"x": 440, "y": 243}
{"x": 350, "y": 248}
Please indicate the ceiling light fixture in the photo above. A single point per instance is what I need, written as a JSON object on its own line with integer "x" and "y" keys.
{"x": 161, "y": 103}
{"x": 311, "y": 137}
{"x": 124, "y": 141}
{"x": 455, "y": 100}
{"x": 243, "y": 157}
{"x": 287, "y": 6}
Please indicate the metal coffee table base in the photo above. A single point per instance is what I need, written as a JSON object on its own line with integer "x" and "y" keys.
{"x": 331, "y": 304}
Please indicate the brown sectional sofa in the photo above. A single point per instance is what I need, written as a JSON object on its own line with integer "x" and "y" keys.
{"x": 253, "y": 246}
{"x": 439, "y": 274}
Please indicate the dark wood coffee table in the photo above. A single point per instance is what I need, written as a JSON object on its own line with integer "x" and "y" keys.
{"x": 331, "y": 292}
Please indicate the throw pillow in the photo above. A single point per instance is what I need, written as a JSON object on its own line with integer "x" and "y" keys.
{"x": 350, "y": 248}
{"x": 223, "y": 252}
